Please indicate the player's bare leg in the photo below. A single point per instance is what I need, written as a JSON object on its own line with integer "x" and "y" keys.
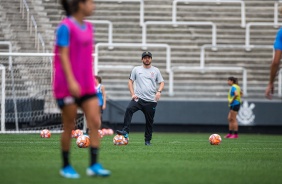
{"x": 234, "y": 124}
{"x": 229, "y": 125}
{"x": 92, "y": 113}
{"x": 68, "y": 116}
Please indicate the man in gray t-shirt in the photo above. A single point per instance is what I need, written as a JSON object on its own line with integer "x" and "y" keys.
{"x": 144, "y": 96}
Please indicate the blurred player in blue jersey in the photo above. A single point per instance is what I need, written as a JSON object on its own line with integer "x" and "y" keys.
{"x": 101, "y": 93}
{"x": 275, "y": 64}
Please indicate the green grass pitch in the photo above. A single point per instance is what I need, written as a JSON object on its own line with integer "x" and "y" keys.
{"x": 172, "y": 158}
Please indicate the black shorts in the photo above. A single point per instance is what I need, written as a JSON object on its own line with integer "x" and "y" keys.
{"x": 101, "y": 109}
{"x": 235, "y": 108}
{"x": 70, "y": 100}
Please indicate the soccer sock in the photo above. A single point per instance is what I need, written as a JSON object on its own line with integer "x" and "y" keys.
{"x": 65, "y": 155}
{"x": 93, "y": 155}
{"x": 230, "y": 131}
{"x": 236, "y": 132}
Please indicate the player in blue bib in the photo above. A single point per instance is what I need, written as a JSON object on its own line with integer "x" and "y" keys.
{"x": 101, "y": 93}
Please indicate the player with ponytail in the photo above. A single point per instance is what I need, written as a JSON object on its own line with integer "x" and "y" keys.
{"x": 73, "y": 83}
{"x": 234, "y": 102}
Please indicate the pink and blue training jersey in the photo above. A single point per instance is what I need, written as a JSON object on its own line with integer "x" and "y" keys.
{"x": 79, "y": 40}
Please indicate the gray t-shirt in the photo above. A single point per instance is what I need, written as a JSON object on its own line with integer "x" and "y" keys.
{"x": 146, "y": 80}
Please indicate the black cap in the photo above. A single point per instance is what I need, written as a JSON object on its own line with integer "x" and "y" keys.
{"x": 146, "y": 54}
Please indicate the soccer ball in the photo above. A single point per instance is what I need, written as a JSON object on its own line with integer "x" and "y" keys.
{"x": 76, "y": 133}
{"x": 215, "y": 139}
{"x": 104, "y": 131}
{"x": 110, "y": 131}
{"x": 120, "y": 140}
{"x": 100, "y": 133}
{"x": 45, "y": 133}
{"x": 83, "y": 141}
{"x": 107, "y": 131}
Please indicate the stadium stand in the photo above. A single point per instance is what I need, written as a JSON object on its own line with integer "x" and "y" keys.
{"x": 185, "y": 42}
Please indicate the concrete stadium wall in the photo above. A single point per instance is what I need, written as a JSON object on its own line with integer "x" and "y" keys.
{"x": 202, "y": 113}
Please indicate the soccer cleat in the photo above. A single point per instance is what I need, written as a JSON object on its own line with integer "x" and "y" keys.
{"x": 147, "y": 143}
{"x": 97, "y": 170}
{"x": 228, "y": 136}
{"x": 122, "y": 132}
{"x": 69, "y": 172}
{"x": 235, "y": 136}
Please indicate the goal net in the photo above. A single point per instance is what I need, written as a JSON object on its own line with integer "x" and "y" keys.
{"x": 28, "y": 99}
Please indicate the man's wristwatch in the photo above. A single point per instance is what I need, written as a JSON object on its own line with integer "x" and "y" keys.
{"x": 159, "y": 91}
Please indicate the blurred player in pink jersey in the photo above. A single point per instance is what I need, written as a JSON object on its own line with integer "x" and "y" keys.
{"x": 73, "y": 82}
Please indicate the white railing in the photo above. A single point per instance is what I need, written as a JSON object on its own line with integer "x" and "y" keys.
{"x": 204, "y": 47}
{"x": 28, "y": 54}
{"x": 243, "y": 11}
{"x": 24, "y": 7}
{"x": 276, "y": 13}
{"x": 116, "y": 67}
{"x": 110, "y": 28}
{"x": 144, "y": 28}
{"x": 3, "y": 89}
{"x": 40, "y": 39}
{"x": 121, "y": 1}
{"x": 166, "y": 46}
{"x": 248, "y": 28}
{"x": 204, "y": 69}
{"x": 33, "y": 22}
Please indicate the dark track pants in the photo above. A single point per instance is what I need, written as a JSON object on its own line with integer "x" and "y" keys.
{"x": 148, "y": 109}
